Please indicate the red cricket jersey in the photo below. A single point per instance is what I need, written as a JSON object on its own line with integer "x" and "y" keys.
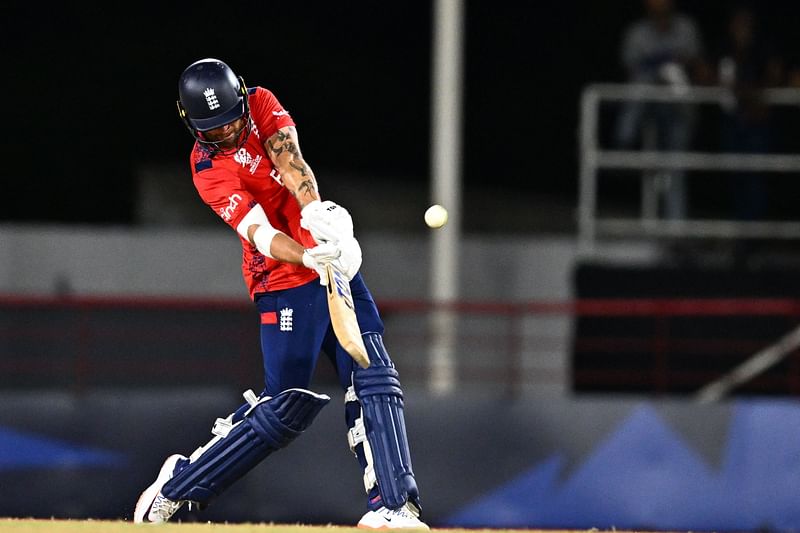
{"x": 232, "y": 184}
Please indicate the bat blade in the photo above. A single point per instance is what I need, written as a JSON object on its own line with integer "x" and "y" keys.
{"x": 343, "y": 317}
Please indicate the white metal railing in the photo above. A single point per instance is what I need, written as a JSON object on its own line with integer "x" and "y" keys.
{"x": 593, "y": 158}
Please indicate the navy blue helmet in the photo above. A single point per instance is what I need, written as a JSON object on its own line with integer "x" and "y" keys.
{"x": 211, "y": 95}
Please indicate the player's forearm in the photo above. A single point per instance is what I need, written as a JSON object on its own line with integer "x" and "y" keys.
{"x": 281, "y": 247}
{"x": 284, "y": 248}
{"x": 301, "y": 184}
{"x": 284, "y": 150}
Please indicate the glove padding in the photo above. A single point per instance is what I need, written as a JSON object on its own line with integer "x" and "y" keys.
{"x": 344, "y": 257}
{"x": 327, "y": 221}
{"x": 317, "y": 257}
{"x": 349, "y": 260}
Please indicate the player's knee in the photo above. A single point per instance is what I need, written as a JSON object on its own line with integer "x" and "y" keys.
{"x": 289, "y": 414}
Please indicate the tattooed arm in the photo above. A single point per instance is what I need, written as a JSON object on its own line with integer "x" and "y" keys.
{"x": 284, "y": 151}
{"x": 326, "y": 221}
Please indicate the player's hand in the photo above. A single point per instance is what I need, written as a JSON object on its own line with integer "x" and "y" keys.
{"x": 349, "y": 260}
{"x": 327, "y": 221}
{"x": 317, "y": 257}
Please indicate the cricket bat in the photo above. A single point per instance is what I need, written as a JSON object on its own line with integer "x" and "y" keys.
{"x": 343, "y": 317}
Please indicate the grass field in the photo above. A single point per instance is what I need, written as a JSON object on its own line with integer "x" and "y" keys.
{"x": 107, "y": 526}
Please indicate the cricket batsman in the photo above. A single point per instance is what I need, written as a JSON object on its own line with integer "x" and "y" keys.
{"x": 247, "y": 167}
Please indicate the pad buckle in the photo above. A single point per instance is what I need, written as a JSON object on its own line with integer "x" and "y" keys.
{"x": 356, "y": 434}
{"x": 250, "y": 397}
{"x": 222, "y": 426}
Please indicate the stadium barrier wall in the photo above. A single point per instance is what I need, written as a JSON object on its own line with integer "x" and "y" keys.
{"x": 636, "y": 343}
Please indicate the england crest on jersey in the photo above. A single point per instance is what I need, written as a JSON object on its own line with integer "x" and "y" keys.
{"x": 285, "y": 322}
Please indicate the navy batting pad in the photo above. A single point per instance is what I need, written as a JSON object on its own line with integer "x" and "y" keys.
{"x": 267, "y": 426}
{"x": 378, "y": 389}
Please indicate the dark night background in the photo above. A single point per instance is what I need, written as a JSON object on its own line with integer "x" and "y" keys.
{"x": 90, "y": 88}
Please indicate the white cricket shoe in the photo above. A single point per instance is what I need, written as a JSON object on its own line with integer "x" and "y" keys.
{"x": 153, "y": 506}
{"x": 384, "y": 518}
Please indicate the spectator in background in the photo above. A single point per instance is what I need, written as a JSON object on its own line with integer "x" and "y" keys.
{"x": 665, "y": 48}
{"x": 746, "y": 65}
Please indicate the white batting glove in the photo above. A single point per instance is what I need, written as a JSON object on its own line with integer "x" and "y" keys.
{"x": 327, "y": 221}
{"x": 317, "y": 257}
{"x": 349, "y": 260}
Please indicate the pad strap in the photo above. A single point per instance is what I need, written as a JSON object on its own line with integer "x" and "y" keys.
{"x": 357, "y": 435}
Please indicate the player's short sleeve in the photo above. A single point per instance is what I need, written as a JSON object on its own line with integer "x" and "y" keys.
{"x": 223, "y": 193}
{"x": 268, "y": 113}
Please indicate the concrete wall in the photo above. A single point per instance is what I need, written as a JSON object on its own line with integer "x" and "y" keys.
{"x": 183, "y": 262}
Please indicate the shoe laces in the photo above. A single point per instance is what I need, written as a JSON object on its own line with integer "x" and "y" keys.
{"x": 164, "y": 508}
{"x": 402, "y": 512}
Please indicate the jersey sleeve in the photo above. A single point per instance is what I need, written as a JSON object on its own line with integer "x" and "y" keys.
{"x": 268, "y": 113}
{"x": 223, "y": 193}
